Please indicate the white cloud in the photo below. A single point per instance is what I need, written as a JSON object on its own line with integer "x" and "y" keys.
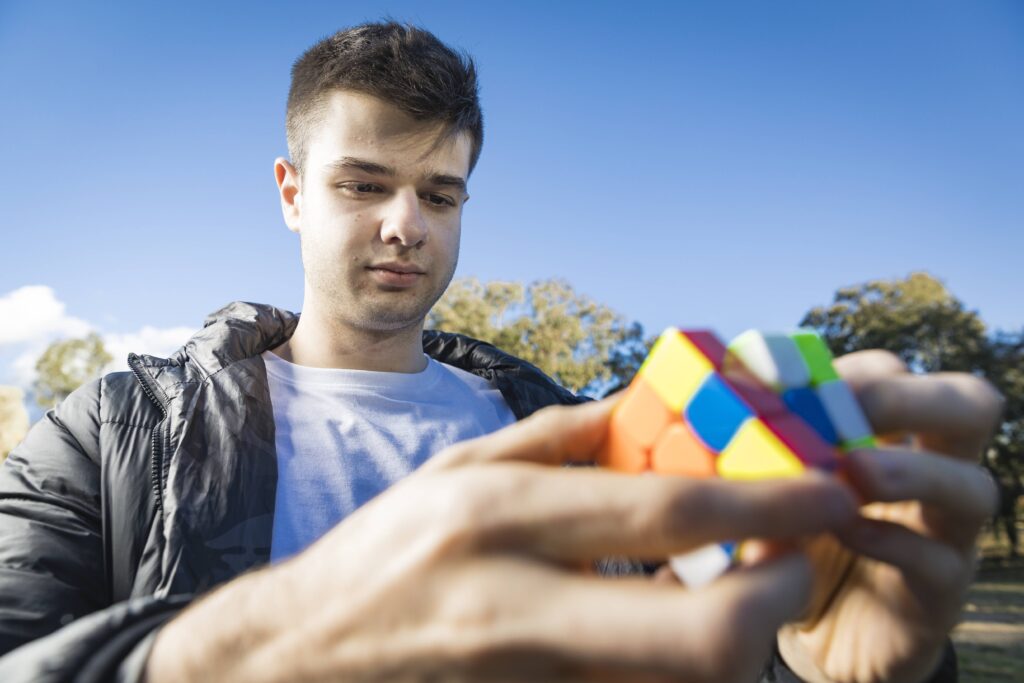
{"x": 155, "y": 341}
{"x": 30, "y": 313}
{"x": 31, "y": 318}
{"x": 23, "y": 367}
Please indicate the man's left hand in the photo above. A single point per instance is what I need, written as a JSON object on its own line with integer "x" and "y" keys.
{"x": 889, "y": 594}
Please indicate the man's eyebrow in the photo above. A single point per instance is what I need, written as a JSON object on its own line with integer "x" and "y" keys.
{"x": 448, "y": 180}
{"x": 353, "y": 163}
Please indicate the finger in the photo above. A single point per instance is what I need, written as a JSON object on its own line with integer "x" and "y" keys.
{"x": 552, "y": 436}
{"x": 568, "y": 514}
{"x": 865, "y": 367}
{"x": 932, "y": 567}
{"x": 722, "y": 632}
{"x": 954, "y": 488}
{"x": 954, "y": 413}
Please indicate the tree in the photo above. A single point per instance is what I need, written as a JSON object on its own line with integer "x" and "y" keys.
{"x": 916, "y": 318}
{"x": 584, "y": 345}
{"x": 627, "y": 357}
{"x": 13, "y": 419}
{"x": 66, "y": 365}
{"x": 1005, "y": 369}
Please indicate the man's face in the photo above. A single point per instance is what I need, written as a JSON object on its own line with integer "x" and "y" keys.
{"x": 378, "y": 210}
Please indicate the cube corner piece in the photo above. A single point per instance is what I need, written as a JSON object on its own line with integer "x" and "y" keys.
{"x": 675, "y": 368}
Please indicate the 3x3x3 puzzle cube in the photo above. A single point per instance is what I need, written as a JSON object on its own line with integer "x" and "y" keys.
{"x": 766, "y": 405}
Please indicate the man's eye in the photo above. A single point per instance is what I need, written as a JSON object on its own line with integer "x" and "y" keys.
{"x": 440, "y": 200}
{"x": 360, "y": 188}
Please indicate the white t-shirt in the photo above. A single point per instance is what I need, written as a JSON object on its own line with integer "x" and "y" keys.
{"x": 343, "y": 436}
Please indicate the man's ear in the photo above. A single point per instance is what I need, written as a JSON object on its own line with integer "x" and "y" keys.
{"x": 291, "y": 193}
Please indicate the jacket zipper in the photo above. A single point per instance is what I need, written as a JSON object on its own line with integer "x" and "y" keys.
{"x": 156, "y": 459}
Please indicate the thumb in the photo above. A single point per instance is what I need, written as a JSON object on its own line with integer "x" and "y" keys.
{"x": 766, "y": 594}
{"x": 553, "y": 436}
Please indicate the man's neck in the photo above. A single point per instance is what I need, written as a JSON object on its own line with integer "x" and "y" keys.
{"x": 320, "y": 343}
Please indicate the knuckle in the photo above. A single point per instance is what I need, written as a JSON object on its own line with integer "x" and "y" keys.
{"x": 880, "y": 405}
{"x": 888, "y": 362}
{"x": 474, "y": 504}
{"x": 553, "y": 414}
{"x": 875, "y": 362}
{"x": 949, "y": 572}
{"x": 895, "y": 482}
{"x": 982, "y": 403}
{"x": 887, "y": 475}
{"x": 452, "y": 456}
{"x": 460, "y": 506}
{"x": 471, "y": 603}
{"x": 990, "y": 400}
{"x": 679, "y": 505}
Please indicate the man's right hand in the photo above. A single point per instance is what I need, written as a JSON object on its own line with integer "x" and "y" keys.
{"x": 472, "y": 569}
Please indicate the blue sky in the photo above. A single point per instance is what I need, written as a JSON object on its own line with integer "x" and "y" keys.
{"x": 722, "y": 164}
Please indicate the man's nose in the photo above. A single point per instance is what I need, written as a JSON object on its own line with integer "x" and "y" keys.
{"x": 403, "y": 222}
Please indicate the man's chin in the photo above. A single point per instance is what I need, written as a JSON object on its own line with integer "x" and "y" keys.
{"x": 372, "y": 309}
{"x": 384, "y": 320}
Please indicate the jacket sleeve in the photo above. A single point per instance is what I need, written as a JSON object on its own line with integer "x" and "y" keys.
{"x": 57, "y": 622}
{"x": 776, "y": 670}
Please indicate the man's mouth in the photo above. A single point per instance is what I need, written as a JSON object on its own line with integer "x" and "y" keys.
{"x": 396, "y": 274}
{"x": 394, "y": 267}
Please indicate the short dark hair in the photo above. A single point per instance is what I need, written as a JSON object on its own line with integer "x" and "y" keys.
{"x": 401, "y": 64}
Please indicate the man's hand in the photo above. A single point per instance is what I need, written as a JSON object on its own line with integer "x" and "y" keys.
{"x": 470, "y": 569}
{"x": 884, "y": 614}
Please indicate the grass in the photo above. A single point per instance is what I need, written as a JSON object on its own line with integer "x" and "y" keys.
{"x": 990, "y": 639}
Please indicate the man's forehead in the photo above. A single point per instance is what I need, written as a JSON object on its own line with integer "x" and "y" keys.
{"x": 361, "y": 126}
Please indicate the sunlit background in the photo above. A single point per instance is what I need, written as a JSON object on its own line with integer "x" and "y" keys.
{"x": 722, "y": 164}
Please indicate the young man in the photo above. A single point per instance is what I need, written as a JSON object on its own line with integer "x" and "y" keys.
{"x": 282, "y": 444}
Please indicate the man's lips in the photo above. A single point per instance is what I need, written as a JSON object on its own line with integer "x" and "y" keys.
{"x": 405, "y": 268}
{"x": 396, "y": 274}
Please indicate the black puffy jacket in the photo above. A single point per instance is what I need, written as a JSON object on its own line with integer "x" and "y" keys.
{"x": 146, "y": 488}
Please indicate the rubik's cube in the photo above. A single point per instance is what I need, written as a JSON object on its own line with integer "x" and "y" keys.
{"x": 766, "y": 405}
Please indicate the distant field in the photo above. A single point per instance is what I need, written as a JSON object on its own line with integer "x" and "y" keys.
{"x": 990, "y": 639}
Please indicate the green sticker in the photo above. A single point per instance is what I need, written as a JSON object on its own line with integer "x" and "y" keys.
{"x": 857, "y": 444}
{"x": 816, "y": 355}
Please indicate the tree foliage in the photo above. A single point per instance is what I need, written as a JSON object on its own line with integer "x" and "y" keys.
{"x": 13, "y": 419}
{"x": 921, "y": 321}
{"x": 1005, "y": 369}
{"x": 66, "y": 365}
{"x": 627, "y": 357}
{"x": 916, "y": 318}
{"x": 582, "y": 344}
